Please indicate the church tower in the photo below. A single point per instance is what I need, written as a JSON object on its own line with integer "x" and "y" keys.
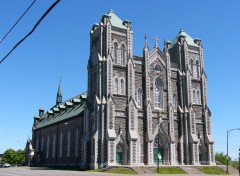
{"x": 111, "y": 127}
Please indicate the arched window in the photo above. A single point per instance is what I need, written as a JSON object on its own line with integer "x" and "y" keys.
{"x": 116, "y": 86}
{"x": 60, "y": 144}
{"x": 115, "y": 52}
{"x": 122, "y": 86}
{"x": 194, "y": 97}
{"x": 68, "y": 143}
{"x": 139, "y": 97}
{"x": 191, "y": 65}
{"x": 157, "y": 92}
{"x": 174, "y": 103}
{"x": 76, "y": 144}
{"x": 47, "y": 152}
{"x": 123, "y": 55}
{"x": 53, "y": 146}
{"x": 197, "y": 69}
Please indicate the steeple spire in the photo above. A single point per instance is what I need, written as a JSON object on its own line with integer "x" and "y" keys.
{"x": 145, "y": 43}
{"x": 59, "y": 93}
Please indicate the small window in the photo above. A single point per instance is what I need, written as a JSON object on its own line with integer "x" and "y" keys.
{"x": 47, "y": 152}
{"x": 157, "y": 68}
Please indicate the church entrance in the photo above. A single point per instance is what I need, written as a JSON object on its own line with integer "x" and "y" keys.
{"x": 119, "y": 155}
{"x": 158, "y": 154}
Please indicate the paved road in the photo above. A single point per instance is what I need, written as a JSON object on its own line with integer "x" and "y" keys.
{"x": 26, "y": 171}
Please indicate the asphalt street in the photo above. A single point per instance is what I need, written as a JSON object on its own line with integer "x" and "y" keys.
{"x": 31, "y": 171}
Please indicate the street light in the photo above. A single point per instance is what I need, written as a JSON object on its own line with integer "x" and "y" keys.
{"x": 228, "y": 132}
{"x": 160, "y": 112}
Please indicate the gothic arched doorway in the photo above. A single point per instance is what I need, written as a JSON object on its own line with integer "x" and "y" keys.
{"x": 119, "y": 154}
{"x": 158, "y": 153}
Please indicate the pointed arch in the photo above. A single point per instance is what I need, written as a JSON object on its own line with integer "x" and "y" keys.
{"x": 198, "y": 97}
{"x": 158, "y": 93}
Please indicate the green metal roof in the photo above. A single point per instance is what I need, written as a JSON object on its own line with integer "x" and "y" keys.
{"x": 115, "y": 20}
{"x": 68, "y": 112}
{"x": 189, "y": 39}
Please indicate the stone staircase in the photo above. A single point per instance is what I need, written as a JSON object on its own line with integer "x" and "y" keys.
{"x": 190, "y": 169}
{"x": 143, "y": 170}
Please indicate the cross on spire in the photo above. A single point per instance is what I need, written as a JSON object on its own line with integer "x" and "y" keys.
{"x": 156, "y": 41}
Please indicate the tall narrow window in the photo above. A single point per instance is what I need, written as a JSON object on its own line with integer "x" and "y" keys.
{"x": 37, "y": 145}
{"x": 197, "y": 69}
{"x": 198, "y": 97}
{"x": 116, "y": 86}
{"x": 60, "y": 144}
{"x": 76, "y": 144}
{"x": 139, "y": 97}
{"x": 191, "y": 65}
{"x": 53, "y": 146}
{"x": 122, "y": 86}
{"x": 42, "y": 144}
{"x": 115, "y": 52}
{"x": 194, "y": 97}
{"x": 68, "y": 143}
{"x": 47, "y": 150}
{"x": 157, "y": 92}
{"x": 123, "y": 55}
{"x": 174, "y": 103}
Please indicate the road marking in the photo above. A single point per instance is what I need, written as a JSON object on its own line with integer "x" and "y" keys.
{"x": 8, "y": 174}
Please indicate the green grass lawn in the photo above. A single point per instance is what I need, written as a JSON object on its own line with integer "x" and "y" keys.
{"x": 121, "y": 171}
{"x": 171, "y": 170}
{"x": 212, "y": 170}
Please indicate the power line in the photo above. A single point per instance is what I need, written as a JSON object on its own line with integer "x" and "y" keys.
{"x": 17, "y": 21}
{"x": 33, "y": 29}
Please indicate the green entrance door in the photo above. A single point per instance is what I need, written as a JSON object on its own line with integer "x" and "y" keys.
{"x": 155, "y": 155}
{"x": 119, "y": 155}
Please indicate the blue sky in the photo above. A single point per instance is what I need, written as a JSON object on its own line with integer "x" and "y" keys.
{"x": 59, "y": 47}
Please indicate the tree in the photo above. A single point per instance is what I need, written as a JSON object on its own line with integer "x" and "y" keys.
{"x": 13, "y": 157}
{"x": 221, "y": 158}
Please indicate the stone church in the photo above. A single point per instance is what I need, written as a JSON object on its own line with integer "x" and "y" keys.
{"x": 138, "y": 110}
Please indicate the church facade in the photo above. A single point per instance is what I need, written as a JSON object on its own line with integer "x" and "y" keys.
{"x": 138, "y": 110}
